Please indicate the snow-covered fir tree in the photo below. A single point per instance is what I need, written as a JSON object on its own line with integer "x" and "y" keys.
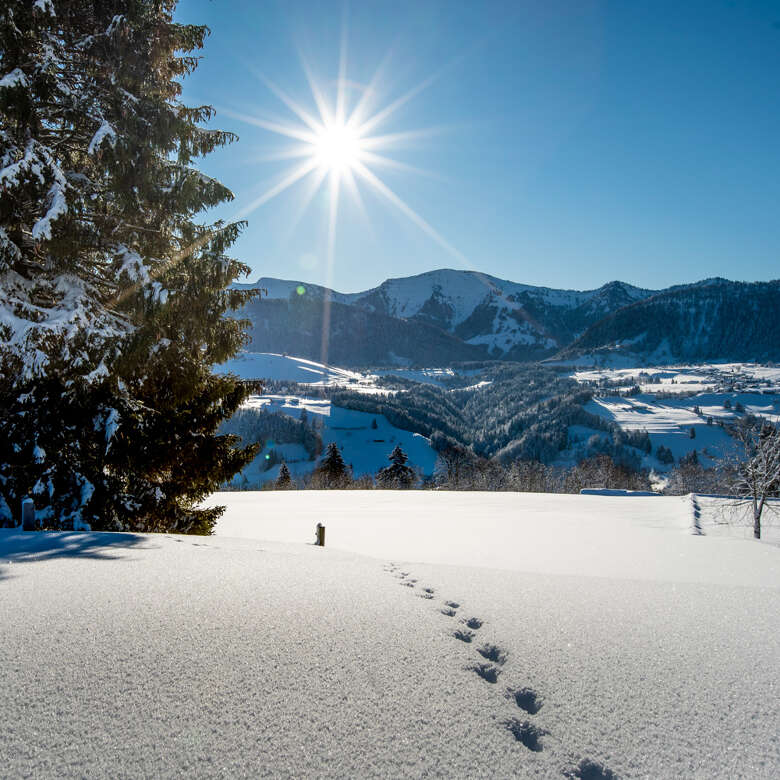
{"x": 397, "y": 475}
{"x": 114, "y": 295}
{"x": 284, "y": 480}
{"x": 332, "y": 472}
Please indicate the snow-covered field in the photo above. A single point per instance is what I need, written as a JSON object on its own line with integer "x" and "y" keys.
{"x": 287, "y": 368}
{"x": 666, "y": 405}
{"x": 589, "y": 628}
{"x": 689, "y": 379}
{"x": 668, "y": 423}
{"x": 427, "y": 376}
{"x": 364, "y": 448}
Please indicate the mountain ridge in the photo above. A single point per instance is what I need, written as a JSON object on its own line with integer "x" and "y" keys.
{"x": 447, "y": 315}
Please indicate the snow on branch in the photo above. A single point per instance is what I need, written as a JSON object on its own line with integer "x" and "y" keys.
{"x": 27, "y": 326}
{"x": 8, "y": 247}
{"x": 115, "y": 23}
{"x": 104, "y": 131}
{"x": 35, "y": 160}
{"x": 132, "y": 265}
{"x": 15, "y": 78}
{"x": 44, "y": 6}
{"x": 37, "y": 163}
{"x": 57, "y": 207}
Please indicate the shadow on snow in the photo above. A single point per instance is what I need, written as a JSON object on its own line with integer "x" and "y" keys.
{"x": 29, "y": 547}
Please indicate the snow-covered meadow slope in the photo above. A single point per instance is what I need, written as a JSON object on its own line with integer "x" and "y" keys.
{"x": 365, "y": 448}
{"x": 437, "y": 634}
{"x": 364, "y": 439}
{"x": 288, "y": 368}
{"x": 671, "y": 402}
{"x": 623, "y": 537}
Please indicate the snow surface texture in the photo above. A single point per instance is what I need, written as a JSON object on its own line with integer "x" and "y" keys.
{"x": 225, "y": 656}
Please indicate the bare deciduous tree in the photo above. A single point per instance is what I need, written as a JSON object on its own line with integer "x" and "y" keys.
{"x": 756, "y": 474}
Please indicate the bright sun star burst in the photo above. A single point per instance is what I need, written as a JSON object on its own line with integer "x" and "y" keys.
{"x": 338, "y": 142}
{"x": 337, "y": 147}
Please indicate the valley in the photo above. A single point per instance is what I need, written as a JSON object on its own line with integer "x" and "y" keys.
{"x": 647, "y": 418}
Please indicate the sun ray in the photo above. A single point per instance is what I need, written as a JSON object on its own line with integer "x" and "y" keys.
{"x": 356, "y": 117}
{"x": 274, "y": 127}
{"x": 382, "y": 115}
{"x": 408, "y": 211}
{"x": 390, "y": 109}
{"x": 291, "y": 153}
{"x": 277, "y": 189}
{"x": 350, "y": 185}
{"x": 400, "y": 138}
{"x": 311, "y": 188}
{"x": 332, "y": 221}
{"x": 341, "y": 96}
{"x": 299, "y": 111}
{"x": 388, "y": 162}
{"x": 325, "y": 114}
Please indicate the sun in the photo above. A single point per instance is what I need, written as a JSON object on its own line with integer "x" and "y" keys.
{"x": 337, "y": 148}
{"x": 338, "y": 143}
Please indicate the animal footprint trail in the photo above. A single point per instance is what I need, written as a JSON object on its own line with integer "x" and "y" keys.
{"x": 526, "y": 733}
{"x": 492, "y": 653}
{"x": 590, "y": 770}
{"x": 696, "y": 528}
{"x": 526, "y": 699}
{"x": 487, "y": 672}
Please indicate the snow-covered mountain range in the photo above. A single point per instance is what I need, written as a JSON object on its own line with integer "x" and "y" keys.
{"x": 446, "y": 315}
{"x": 717, "y": 320}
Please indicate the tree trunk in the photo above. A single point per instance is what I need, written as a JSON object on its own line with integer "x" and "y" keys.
{"x": 757, "y": 519}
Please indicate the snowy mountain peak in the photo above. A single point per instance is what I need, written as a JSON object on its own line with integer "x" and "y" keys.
{"x": 449, "y": 315}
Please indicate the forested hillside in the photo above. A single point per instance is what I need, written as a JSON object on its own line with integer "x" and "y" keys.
{"x": 721, "y": 320}
{"x": 355, "y": 336}
{"x": 442, "y": 317}
{"x": 523, "y": 413}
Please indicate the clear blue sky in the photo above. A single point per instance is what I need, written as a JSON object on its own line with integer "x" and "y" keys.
{"x": 576, "y": 142}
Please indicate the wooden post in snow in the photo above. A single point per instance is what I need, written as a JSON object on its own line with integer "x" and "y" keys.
{"x": 28, "y": 514}
{"x": 320, "y": 535}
